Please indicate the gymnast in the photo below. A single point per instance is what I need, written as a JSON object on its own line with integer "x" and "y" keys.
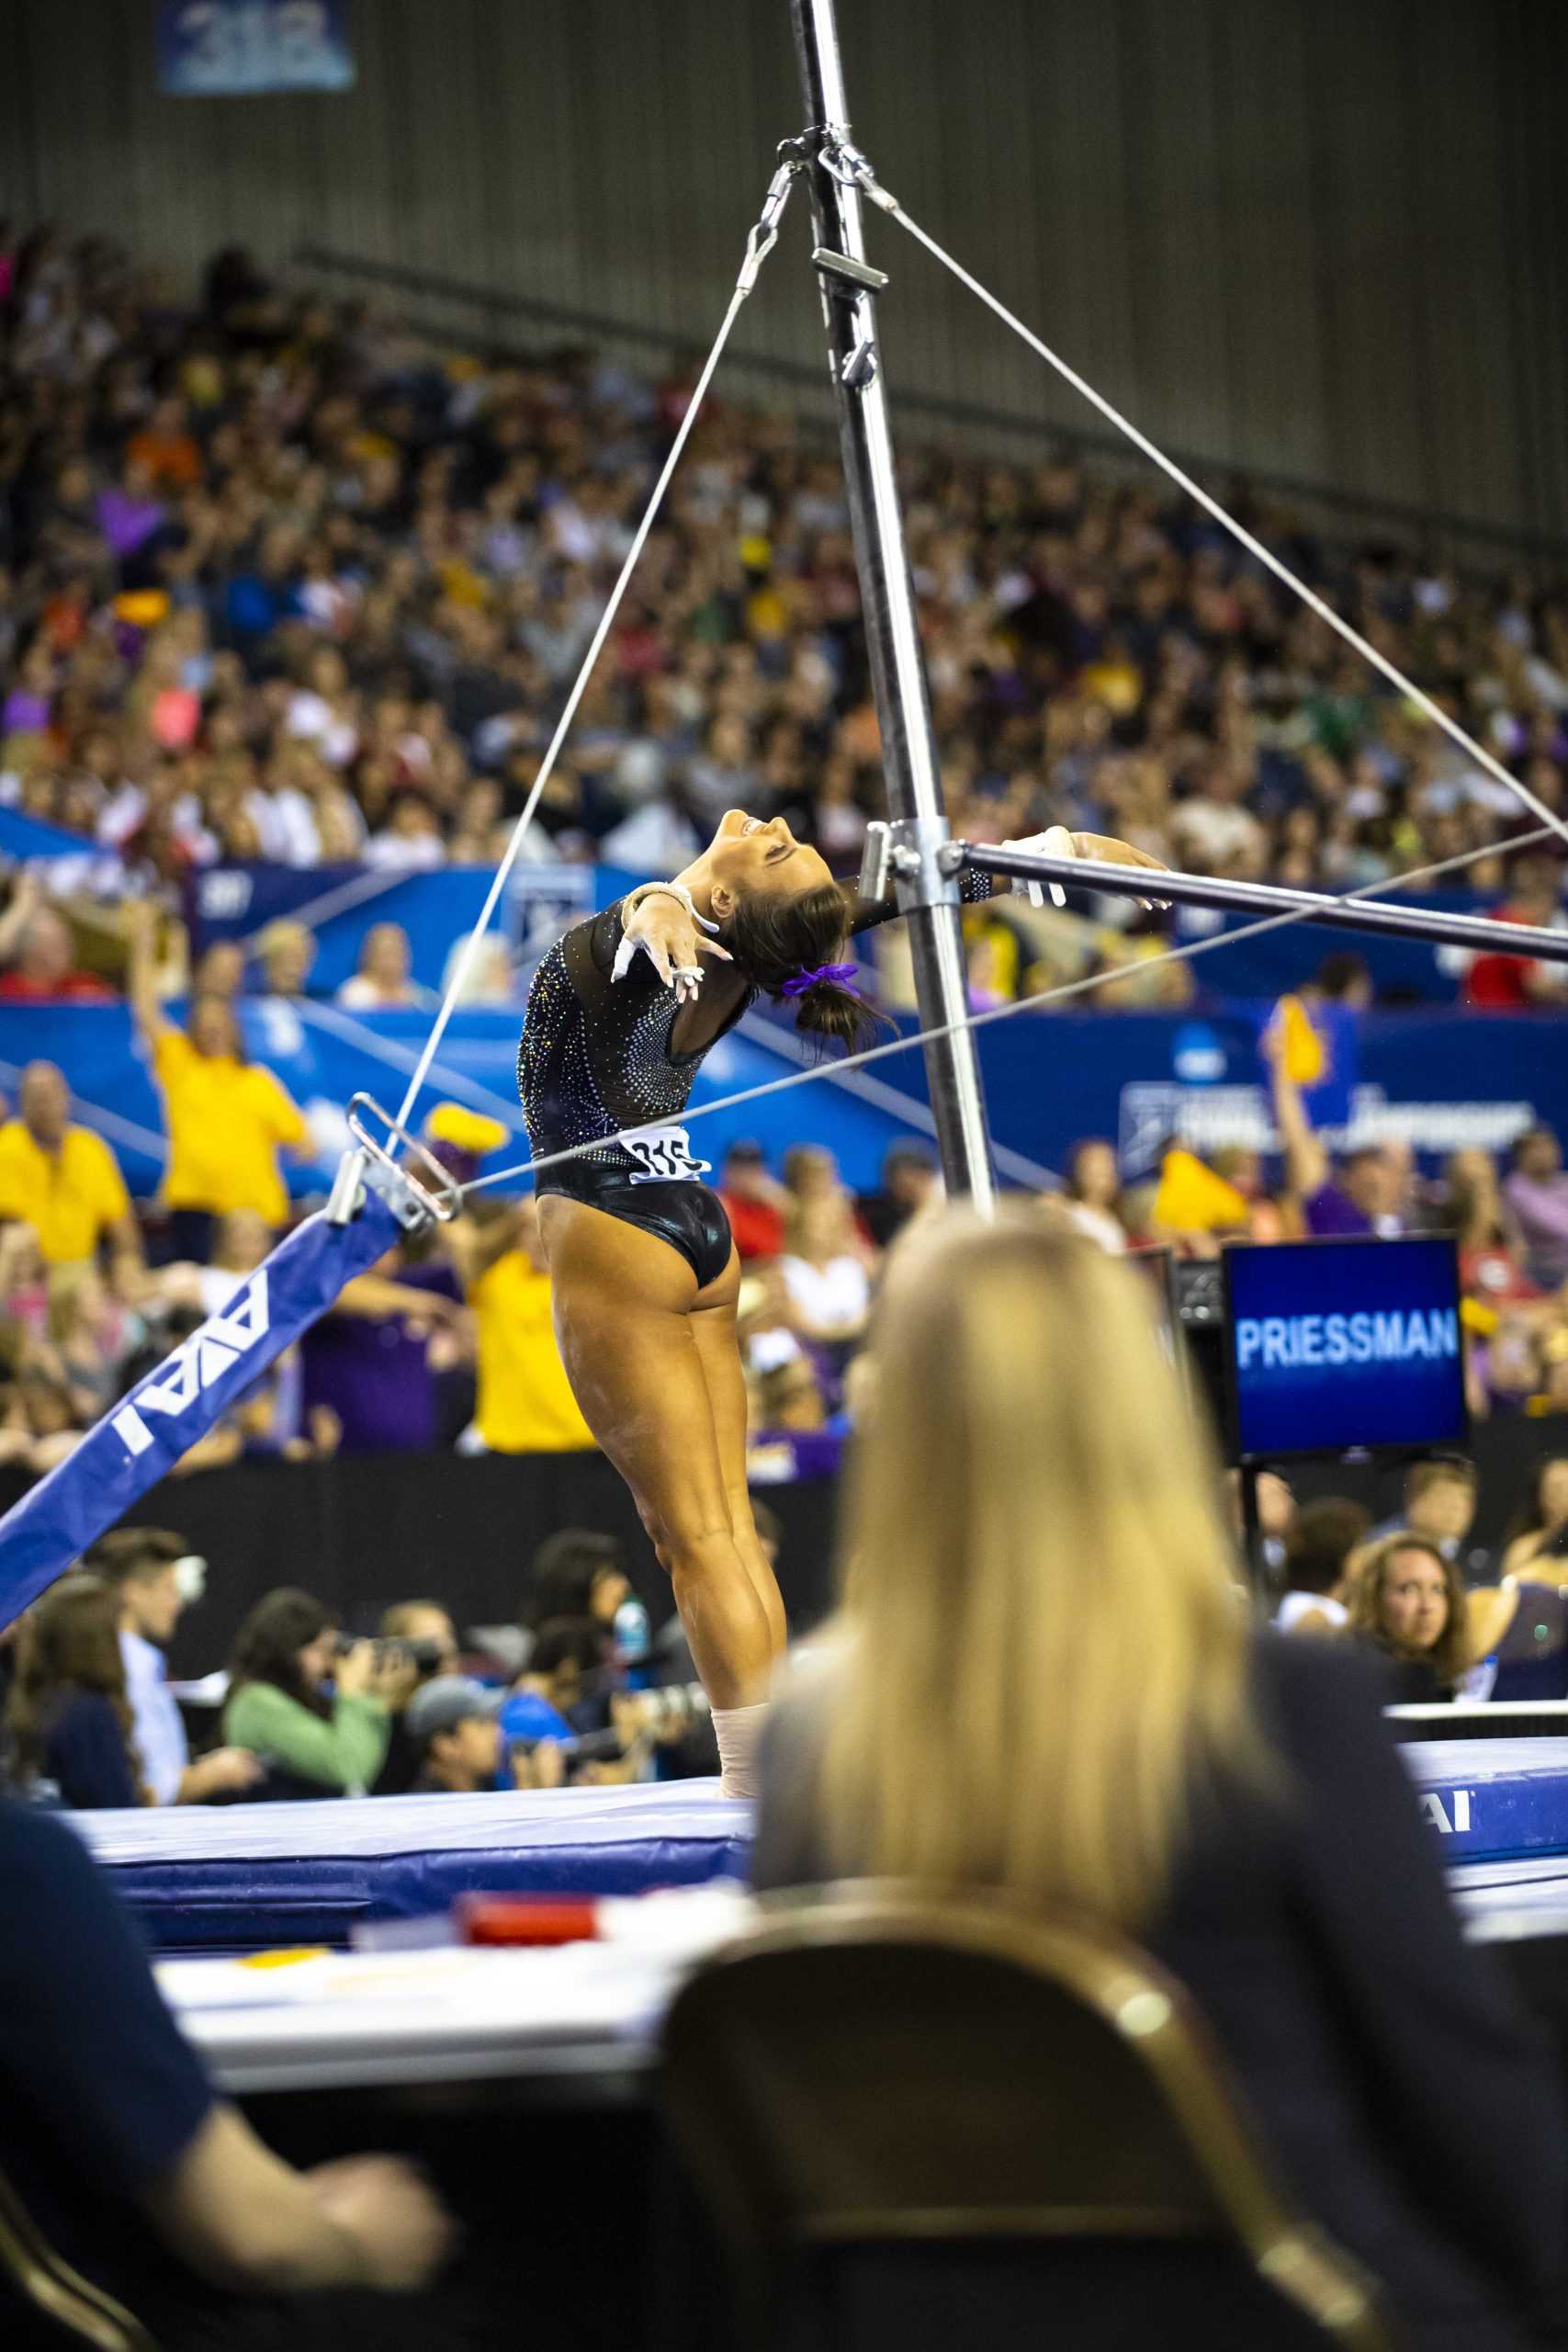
{"x": 644, "y": 1274}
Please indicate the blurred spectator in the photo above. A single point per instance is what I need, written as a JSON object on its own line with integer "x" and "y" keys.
{"x": 491, "y": 977}
{"x": 1538, "y": 1533}
{"x": 1276, "y": 1508}
{"x": 1536, "y": 1191}
{"x": 425, "y": 1631}
{"x": 824, "y": 1269}
{"x": 1093, "y": 1195}
{"x": 226, "y": 1121}
{"x": 93, "y": 1335}
{"x": 1319, "y": 1542}
{"x": 567, "y": 1659}
{"x": 149, "y": 1567}
{"x": 68, "y": 1719}
{"x": 523, "y": 1402}
{"x": 577, "y": 1572}
{"x": 1366, "y": 1195}
{"x": 220, "y": 971}
{"x": 1407, "y": 1600}
{"x": 382, "y": 983}
{"x": 64, "y": 1182}
{"x": 40, "y": 1418}
{"x": 285, "y": 952}
{"x": 36, "y": 953}
{"x": 285, "y": 1658}
{"x": 912, "y": 1180}
{"x": 754, "y": 1202}
{"x": 1490, "y": 1248}
{"x": 455, "y": 1737}
{"x": 1441, "y": 1499}
{"x": 789, "y": 1400}
{"x": 377, "y": 1363}
{"x": 24, "y": 1281}
{"x": 1513, "y": 983}
{"x": 421, "y": 1634}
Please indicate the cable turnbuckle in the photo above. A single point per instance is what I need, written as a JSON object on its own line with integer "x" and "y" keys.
{"x": 764, "y": 235}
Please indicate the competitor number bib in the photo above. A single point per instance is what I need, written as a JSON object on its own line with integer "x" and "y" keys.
{"x": 664, "y": 1156}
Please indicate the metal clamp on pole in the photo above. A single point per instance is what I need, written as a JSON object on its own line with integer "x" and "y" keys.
{"x": 416, "y": 1200}
{"x": 876, "y": 862}
{"x": 923, "y": 862}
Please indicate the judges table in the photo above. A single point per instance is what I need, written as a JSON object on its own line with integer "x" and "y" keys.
{"x": 583, "y": 2019}
{"x": 576, "y": 2022}
{"x": 578, "y": 2025}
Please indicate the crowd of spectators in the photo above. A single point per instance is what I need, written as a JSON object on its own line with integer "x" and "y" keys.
{"x": 579, "y": 1688}
{"x": 448, "y": 1341}
{"x": 279, "y": 581}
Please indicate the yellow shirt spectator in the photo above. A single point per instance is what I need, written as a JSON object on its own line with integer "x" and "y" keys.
{"x": 70, "y": 1196}
{"x": 226, "y": 1122}
{"x": 525, "y": 1404}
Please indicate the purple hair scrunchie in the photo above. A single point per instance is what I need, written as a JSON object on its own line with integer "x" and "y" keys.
{"x": 840, "y": 975}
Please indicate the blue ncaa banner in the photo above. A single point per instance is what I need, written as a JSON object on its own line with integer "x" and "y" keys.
{"x": 210, "y": 49}
{"x": 139, "y": 1439}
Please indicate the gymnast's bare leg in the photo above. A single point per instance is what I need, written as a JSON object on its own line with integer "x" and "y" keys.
{"x": 653, "y": 1362}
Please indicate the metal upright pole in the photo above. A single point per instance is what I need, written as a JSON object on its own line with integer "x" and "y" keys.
{"x": 929, "y": 897}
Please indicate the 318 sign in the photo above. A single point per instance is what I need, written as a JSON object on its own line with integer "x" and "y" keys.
{"x": 240, "y": 48}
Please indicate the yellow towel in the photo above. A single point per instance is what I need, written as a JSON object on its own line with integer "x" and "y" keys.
{"x": 1192, "y": 1199}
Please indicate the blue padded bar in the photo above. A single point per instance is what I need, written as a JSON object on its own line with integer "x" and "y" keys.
{"x": 142, "y": 1437}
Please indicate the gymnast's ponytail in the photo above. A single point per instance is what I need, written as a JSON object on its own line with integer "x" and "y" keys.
{"x": 797, "y": 949}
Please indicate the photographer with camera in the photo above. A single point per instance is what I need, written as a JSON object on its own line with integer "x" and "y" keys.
{"x": 451, "y": 1727}
{"x": 317, "y": 1710}
{"x": 421, "y": 1635}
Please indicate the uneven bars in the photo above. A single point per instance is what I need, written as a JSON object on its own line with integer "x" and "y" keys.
{"x": 1478, "y": 932}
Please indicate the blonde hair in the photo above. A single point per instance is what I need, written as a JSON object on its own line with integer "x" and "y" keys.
{"x": 1042, "y": 1647}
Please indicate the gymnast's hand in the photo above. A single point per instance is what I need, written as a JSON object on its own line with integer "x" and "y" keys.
{"x": 1057, "y": 841}
{"x": 672, "y": 943}
{"x": 1108, "y": 851}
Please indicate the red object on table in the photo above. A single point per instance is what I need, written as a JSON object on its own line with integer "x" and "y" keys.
{"x": 527, "y": 1918}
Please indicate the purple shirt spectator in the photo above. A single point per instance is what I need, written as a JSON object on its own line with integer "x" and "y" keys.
{"x": 1332, "y": 1215}
{"x": 126, "y": 521}
{"x": 1540, "y": 1204}
{"x": 375, "y": 1373}
{"x": 24, "y": 713}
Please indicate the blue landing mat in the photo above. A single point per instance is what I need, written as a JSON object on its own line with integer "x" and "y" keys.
{"x": 239, "y": 1878}
{"x": 1494, "y": 1800}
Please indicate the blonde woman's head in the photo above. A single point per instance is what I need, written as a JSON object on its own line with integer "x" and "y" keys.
{"x": 1044, "y": 1642}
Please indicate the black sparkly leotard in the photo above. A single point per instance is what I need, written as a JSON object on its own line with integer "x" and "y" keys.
{"x": 595, "y": 1056}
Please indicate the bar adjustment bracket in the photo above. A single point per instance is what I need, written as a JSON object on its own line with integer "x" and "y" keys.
{"x": 918, "y": 857}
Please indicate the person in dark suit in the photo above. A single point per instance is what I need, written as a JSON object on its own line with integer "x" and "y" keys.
{"x": 1062, "y": 1698}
